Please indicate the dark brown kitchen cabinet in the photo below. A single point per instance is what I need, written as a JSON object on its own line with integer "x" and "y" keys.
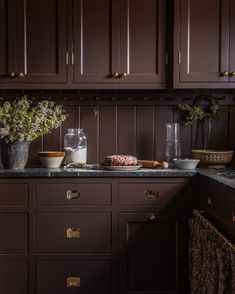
{"x": 33, "y": 42}
{"x": 85, "y": 277}
{"x": 152, "y": 253}
{"x": 119, "y": 43}
{"x": 14, "y": 277}
{"x": 204, "y": 44}
{"x": 93, "y": 235}
{"x": 217, "y": 201}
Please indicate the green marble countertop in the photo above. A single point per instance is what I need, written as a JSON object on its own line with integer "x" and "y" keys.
{"x": 39, "y": 172}
{"x": 93, "y": 173}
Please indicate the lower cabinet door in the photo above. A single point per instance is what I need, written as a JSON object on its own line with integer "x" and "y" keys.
{"x": 14, "y": 233}
{"x": 13, "y": 277}
{"x": 83, "y": 277}
{"x": 152, "y": 253}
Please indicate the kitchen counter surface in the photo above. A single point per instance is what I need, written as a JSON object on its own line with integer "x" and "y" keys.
{"x": 39, "y": 172}
{"x": 91, "y": 173}
{"x": 215, "y": 175}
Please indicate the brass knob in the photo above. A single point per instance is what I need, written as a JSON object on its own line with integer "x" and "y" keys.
{"x": 232, "y": 74}
{"x": 21, "y": 75}
{"x": 123, "y": 75}
{"x": 152, "y": 217}
{"x": 12, "y": 75}
{"x": 225, "y": 74}
{"x": 210, "y": 201}
{"x": 115, "y": 75}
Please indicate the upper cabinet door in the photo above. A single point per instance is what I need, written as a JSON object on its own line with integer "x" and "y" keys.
{"x": 119, "y": 42}
{"x": 201, "y": 43}
{"x": 95, "y": 54}
{"x": 8, "y": 43}
{"x": 32, "y": 42}
{"x": 42, "y": 41}
{"x": 232, "y": 42}
{"x": 142, "y": 43}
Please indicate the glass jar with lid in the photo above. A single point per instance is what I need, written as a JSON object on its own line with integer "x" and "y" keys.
{"x": 75, "y": 147}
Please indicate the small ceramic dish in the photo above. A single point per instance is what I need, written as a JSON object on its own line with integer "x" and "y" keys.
{"x": 51, "y": 159}
{"x": 186, "y": 163}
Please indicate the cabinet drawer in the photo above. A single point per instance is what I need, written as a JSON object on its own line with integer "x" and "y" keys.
{"x": 13, "y": 233}
{"x": 73, "y": 194}
{"x": 13, "y": 277}
{"x": 219, "y": 208}
{"x": 167, "y": 195}
{"x": 14, "y": 194}
{"x": 73, "y": 232}
{"x": 84, "y": 277}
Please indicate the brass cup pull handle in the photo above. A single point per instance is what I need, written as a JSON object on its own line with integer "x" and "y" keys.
{"x": 72, "y": 194}
{"x": 115, "y": 75}
{"x": 210, "y": 201}
{"x": 152, "y": 194}
{"x": 73, "y": 282}
{"x": 12, "y": 75}
{"x": 152, "y": 217}
{"x": 232, "y": 74}
{"x": 225, "y": 74}
{"x": 73, "y": 233}
{"x": 21, "y": 75}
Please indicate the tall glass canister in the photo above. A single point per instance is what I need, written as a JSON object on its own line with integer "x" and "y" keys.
{"x": 75, "y": 147}
{"x": 173, "y": 147}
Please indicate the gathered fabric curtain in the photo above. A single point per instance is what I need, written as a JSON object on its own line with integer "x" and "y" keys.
{"x": 212, "y": 261}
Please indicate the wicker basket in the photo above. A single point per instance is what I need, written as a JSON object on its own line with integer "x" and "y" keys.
{"x": 208, "y": 157}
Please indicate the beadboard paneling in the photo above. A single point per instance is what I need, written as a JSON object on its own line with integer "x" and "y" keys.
{"x": 132, "y": 129}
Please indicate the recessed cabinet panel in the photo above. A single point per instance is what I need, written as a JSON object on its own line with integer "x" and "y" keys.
{"x": 93, "y": 41}
{"x": 8, "y": 43}
{"x": 73, "y": 232}
{"x": 13, "y": 277}
{"x": 14, "y": 194}
{"x": 45, "y": 55}
{"x": 150, "y": 253}
{"x": 73, "y": 277}
{"x": 143, "y": 41}
{"x": 73, "y": 194}
{"x": 170, "y": 195}
{"x": 14, "y": 233}
{"x": 232, "y": 41}
{"x": 201, "y": 53}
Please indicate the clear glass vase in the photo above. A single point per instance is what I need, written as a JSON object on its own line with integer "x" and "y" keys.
{"x": 207, "y": 134}
{"x": 173, "y": 147}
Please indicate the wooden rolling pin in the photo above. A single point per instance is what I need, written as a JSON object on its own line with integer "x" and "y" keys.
{"x": 153, "y": 164}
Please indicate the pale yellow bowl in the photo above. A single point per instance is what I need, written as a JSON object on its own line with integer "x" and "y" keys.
{"x": 51, "y": 159}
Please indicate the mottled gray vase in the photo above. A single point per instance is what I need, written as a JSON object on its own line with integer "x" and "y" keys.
{"x": 14, "y": 155}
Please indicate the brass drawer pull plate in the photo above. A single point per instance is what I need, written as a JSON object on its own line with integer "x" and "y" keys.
{"x": 152, "y": 194}
{"x": 73, "y": 233}
{"x": 72, "y": 194}
{"x": 73, "y": 282}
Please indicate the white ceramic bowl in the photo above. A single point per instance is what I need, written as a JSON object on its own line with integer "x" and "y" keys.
{"x": 51, "y": 159}
{"x": 186, "y": 163}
